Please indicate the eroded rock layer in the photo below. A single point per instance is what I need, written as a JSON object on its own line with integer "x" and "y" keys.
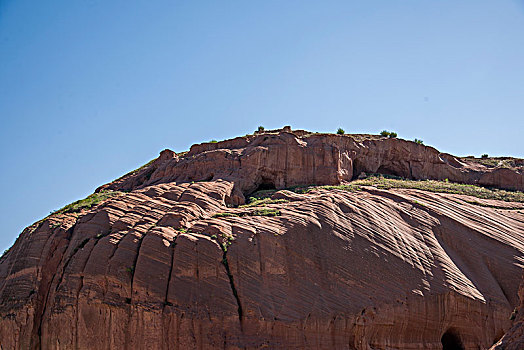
{"x": 175, "y": 264}
{"x": 285, "y": 159}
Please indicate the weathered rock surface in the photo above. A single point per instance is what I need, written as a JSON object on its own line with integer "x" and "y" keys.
{"x": 156, "y": 268}
{"x": 284, "y": 159}
{"x": 514, "y": 339}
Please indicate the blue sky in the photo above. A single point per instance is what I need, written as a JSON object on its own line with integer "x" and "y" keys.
{"x": 92, "y": 89}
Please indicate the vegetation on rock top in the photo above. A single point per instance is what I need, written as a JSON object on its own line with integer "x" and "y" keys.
{"x": 387, "y": 182}
{"x": 493, "y": 162}
{"x": 256, "y": 212}
{"x": 255, "y": 202}
{"x": 383, "y": 182}
{"x": 87, "y": 203}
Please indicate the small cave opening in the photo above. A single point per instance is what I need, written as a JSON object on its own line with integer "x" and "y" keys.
{"x": 451, "y": 340}
{"x": 265, "y": 186}
{"x": 264, "y": 183}
{"x": 387, "y": 171}
{"x": 358, "y": 168}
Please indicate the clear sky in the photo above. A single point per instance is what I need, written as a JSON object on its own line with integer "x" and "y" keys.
{"x": 91, "y": 89}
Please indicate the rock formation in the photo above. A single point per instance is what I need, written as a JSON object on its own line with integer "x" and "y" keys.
{"x": 173, "y": 260}
{"x": 514, "y": 339}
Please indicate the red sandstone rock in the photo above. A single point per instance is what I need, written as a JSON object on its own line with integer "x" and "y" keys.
{"x": 514, "y": 339}
{"x": 155, "y": 268}
{"x": 284, "y": 159}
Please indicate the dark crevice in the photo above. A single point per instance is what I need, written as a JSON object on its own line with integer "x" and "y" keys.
{"x": 225, "y": 262}
{"x": 81, "y": 285}
{"x": 36, "y": 341}
{"x": 132, "y": 269}
{"x": 69, "y": 259}
{"x": 173, "y": 246}
{"x": 129, "y": 300}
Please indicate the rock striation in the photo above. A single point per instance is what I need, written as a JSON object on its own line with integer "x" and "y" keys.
{"x": 283, "y": 159}
{"x": 174, "y": 261}
{"x": 514, "y": 339}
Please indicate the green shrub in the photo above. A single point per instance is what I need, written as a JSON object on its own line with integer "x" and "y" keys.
{"x": 5, "y": 252}
{"x": 256, "y": 212}
{"x": 213, "y": 141}
{"x": 254, "y": 202}
{"x": 390, "y": 134}
{"x": 260, "y": 128}
{"x": 265, "y": 212}
{"x": 417, "y": 141}
{"x": 484, "y": 156}
{"x": 261, "y": 194}
{"x": 224, "y": 215}
{"x": 340, "y": 131}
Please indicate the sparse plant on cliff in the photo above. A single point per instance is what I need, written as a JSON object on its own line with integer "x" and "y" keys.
{"x": 136, "y": 171}
{"x": 417, "y": 141}
{"x": 484, "y": 156}
{"x": 265, "y": 212}
{"x": 260, "y": 128}
{"x": 224, "y": 215}
{"x": 256, "y": 212}
{"x": 340, "y": 131}
{"x": 390, "y": 134}
{"x": 213, "y": 141}
{"x": 87, "y": 203}
{"x": 383, "y": 182}
{"x": 5, "y": 253}
{"x": 255, "y": 202}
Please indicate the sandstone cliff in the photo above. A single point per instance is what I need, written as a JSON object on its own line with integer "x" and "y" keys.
{"x": 514, "y": 339}
{"x": 172, "y": 259}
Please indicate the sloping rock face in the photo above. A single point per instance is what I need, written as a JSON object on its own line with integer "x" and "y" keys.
{"x": 160, "y": 266}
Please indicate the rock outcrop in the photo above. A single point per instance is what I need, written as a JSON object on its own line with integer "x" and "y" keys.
{"x": 514, "y": 339}
{"x": 172, "y": 261}
{"x": 284, "y": 159}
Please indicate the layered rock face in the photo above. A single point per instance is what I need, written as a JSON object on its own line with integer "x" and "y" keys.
{"x": 172, "y": 262}
{"x": 286, "y": 159}
{"x": 514, "y": 339}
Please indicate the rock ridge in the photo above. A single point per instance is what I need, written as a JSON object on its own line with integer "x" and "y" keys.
{"x": 285, "y": 158}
